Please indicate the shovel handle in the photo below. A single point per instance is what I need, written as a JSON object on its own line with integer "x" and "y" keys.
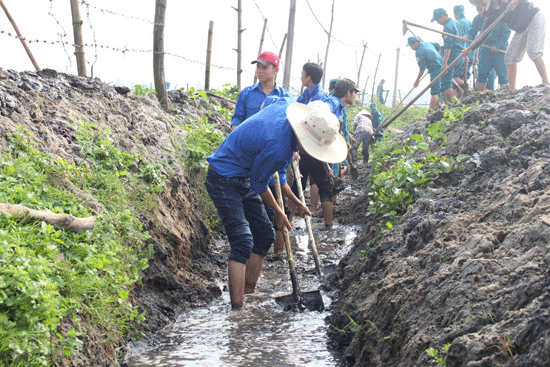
{"x": 446, "y": 34}
{"x": 291, "y": 265}
{"x": 311, "y": 239}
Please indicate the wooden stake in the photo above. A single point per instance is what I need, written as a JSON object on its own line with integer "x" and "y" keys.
{"x": 158, "y": 53}
{"x": 20, "y": 36}
{"x": 328, "y": 44}
{"x": 365, "y": 90}
{"x": 374, "y": 80}
{"x": 261, "y": 45}
{"x": 288, "y": 58}
{"x": 361, "y": 63}
{"x": 394, "y": 102}
{"x": 78, "y": 40}
{"x": 281, "y": 50}
{"x": 239, "y": 41}
{"x": 208, "y": 56}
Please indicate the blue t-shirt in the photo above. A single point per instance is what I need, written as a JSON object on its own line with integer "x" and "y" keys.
{"x": 259, "y": 147}
{"x": 428, "y": 57}
{"x": 315, "y": 94}
{"x": 250, "y": 101}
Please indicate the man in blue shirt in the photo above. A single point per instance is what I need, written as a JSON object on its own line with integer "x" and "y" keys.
{"x": 428, "y": 58}
{"x": 311, "y": 77}
{"x": 452, "y": 49}
{"x": 458, "y": 13}
{"x": 380, "y": 92}
{"x": 345, "y": 92}
{"x": 475, "y": 30}
{"x": 250, "y": 99}
{"x": 491, "y": 59}
{"x": 239, "y": 172}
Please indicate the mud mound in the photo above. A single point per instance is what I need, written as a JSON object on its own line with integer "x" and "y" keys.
{"x": 468, "y": 264}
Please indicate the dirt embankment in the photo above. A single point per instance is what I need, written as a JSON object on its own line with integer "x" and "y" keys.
{"x": 468, "y": 265}
{"x": 184, "y": 268}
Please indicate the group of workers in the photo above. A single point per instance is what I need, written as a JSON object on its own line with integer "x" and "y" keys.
{"x": 495, "y": 57}
{"x": 269, "y": 130}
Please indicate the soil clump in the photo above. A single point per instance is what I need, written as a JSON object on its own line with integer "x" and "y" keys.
{"x": 468, "y": 265}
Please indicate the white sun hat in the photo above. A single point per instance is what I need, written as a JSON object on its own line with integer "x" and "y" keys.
{"x": 318, "y": 131}
{"x": 366, "y": 113}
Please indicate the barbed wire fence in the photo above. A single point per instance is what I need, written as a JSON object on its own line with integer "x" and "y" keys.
{"x": 90, "y": 9}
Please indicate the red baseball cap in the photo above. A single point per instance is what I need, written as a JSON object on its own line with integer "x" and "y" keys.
{"x": 266, "y": 58}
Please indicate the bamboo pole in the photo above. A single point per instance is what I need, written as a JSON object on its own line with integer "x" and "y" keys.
{"x": 78, "y": 40}
{"x": 239, "y": 41}
{"x": 361, "y": 64}
{"x": 394, "y": 102}
{"x": 387, "y": 122}
{"x": 374, "y": 80}
{"x": 208, "y": 56}
{"x": 281, "y": 50}
{"x": 289, "y": 47}
{"x": 158, "y": 53}
{"x": 365, "y": 91}
{"x": 27, "y": 49}
{"x": 328, "y": 44}
{"x": 261, "y": 45}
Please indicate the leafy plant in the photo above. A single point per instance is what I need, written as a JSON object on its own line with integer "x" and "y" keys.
{"x": 433, "y": 353}
{"x": 201, "y": 141}
{"x": 144, "y": 90}
{"x": 53, "y": 282}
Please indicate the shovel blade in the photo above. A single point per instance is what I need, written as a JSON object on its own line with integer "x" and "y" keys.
{"x": 405, "y": 28}
{"x": 310, "y": 300}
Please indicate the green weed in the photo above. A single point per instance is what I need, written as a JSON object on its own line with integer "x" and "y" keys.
{"x": 433, "y": 353}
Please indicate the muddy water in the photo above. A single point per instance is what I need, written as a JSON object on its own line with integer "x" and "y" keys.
{"x": 260, "y": 334}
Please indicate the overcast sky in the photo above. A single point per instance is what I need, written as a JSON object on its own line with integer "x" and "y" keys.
{"x": 128, "y": 24}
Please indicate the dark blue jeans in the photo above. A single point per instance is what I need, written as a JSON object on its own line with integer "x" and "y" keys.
{"x": 243, "y": 215}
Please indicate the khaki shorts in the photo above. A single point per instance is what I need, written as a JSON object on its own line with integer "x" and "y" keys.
{"x": 530, "y": 40}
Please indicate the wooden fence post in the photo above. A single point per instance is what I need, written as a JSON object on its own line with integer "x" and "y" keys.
{"x": 208, "y": 56}
{"x": 328, "y": 44}
{"x": 374, "y": 80}
{"x": 78, "y": 40}
{"x": 261, "y": 45}
{"x": 365, "y": 90}
{"x": 394, "y": 102}
{"x": 288, "y": 58}
{"x": 361, "y": 64}
{"x": 158, "y": 53}
{"x": 239, "y": 41}
{"x": 20, "y": 37}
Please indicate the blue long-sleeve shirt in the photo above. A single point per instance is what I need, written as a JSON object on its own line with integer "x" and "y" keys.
{"x": 428, "y": 57}
{"x": 499, "y": 37}
{"x": 338, "y": 109}
{"x": 250, "y": 101}
{"x": 455, "y": 45}
{"x": 261, "y": 146}
{"x": 315, "y": 94}
{"x": 466, "y": 31}
{"x": 477, "y": 26}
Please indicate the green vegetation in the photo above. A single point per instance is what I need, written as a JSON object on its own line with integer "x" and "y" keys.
{"x": 143, "y": 90}
{"x": 400, "y": 176}
{"x": 441, "y": 360}
{"x": 54, "y": 284}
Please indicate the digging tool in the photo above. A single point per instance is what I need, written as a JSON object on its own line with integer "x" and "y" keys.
{"x": 352, "y": 168}
{"x": 387, "y": 122}
{"x": 405, "y": 29}
{"x": 298, "y": 300}
{"x": 311, "y": 239}
{"x": 406, "y": 24}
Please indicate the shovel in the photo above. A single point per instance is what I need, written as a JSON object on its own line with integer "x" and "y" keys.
{"x": 298, "y": 300}
{"x": 311, "y": 239}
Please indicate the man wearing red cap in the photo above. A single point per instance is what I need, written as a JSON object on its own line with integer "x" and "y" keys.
{"x": 251, "y": 98}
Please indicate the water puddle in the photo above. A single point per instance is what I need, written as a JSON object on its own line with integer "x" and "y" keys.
{"x": 260, "y": 334}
